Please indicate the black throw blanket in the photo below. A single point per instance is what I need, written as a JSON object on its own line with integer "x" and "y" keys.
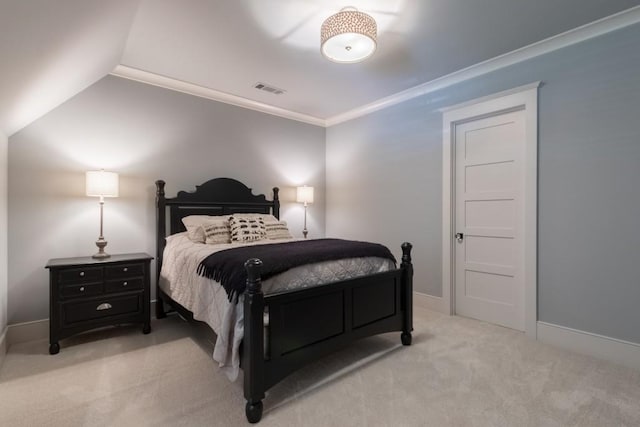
{"x": 227, "y": 266}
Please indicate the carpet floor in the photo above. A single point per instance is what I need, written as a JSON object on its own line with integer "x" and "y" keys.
{"x": 458, "y": 372}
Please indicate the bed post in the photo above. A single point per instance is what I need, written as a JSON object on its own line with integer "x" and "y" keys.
{"x": 253, "y": 351}
{"x": 161, "y": 218}
{"x": 407, "y": 293}
{"x": 276, "y": 202}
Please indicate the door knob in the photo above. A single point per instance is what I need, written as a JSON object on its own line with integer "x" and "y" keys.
{"x": 459, "y": 237}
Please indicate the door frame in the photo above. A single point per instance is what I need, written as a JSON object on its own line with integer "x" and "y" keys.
{"x": 523, "y": 98}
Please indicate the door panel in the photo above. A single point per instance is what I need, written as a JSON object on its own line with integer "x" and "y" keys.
{"x": 490, "y": 288}
{"x": 496, "y": 214}
{"x": 489, "y": 177}
{"x": 489, "y": 188}
{"x": 488, "y": 143}
{"x": 490, "y": 250}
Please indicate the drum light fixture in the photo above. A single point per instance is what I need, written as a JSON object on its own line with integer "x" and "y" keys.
{"x": 349, "y": 36}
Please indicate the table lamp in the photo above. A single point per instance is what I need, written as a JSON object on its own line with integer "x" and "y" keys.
{"x": 101, "y": 184}
{"x": 305, "y": 195}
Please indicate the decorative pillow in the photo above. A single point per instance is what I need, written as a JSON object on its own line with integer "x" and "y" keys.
{"x": 267, "y": 218}
{"x": 194, "y": 225}
{"x": 217, "y": 231}
{"x": 277, "y": 230}
{"x": 245, "y": 229}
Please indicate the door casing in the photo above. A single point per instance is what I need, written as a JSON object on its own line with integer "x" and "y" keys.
{"x": 524, "y": 98}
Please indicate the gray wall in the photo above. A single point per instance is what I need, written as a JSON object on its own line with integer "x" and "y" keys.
{"x": 144, "y": 133}
{"x": 3, "y": 234}
{"x": 384, "y": 179}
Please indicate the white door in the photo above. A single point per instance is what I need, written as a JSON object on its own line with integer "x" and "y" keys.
{"x": 489, "y": 215}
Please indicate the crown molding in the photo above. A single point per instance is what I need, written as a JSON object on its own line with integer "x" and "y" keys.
{"x": 568, "y": 38}
{"x": 212, "y": 94}
{"x": 594, "y": 29}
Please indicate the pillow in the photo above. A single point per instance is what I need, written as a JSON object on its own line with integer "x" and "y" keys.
{"x": 277, "y": 230}
{"x": 245, "y": 229}
{"x": 217, "y": 231}
{"x": 267, "y": 218}
{"x": 194, "y": 225}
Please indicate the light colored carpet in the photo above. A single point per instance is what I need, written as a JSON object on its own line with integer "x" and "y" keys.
{"x": 458, "y": 372}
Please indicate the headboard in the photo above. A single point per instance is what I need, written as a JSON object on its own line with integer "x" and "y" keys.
{"x": 219, "y": 196}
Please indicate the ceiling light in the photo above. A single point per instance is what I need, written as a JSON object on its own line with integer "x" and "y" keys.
{"x": 348, "y": 36}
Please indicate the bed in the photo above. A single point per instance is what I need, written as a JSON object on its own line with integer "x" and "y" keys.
{"x": 280, "y": 335}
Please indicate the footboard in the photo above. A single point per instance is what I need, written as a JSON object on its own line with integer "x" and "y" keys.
{"x": 307, "y": 324}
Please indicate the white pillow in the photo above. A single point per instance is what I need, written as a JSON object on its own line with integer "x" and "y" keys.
{"x": 194, "y": 225}
{"x": 277, "y": 230}
{"x": 245, "y": 229}
{"x": 217, "y": 231}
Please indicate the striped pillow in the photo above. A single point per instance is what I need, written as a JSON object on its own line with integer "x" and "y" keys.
{"x": 277, "y": 230}
{"x": 247, "y": 229}
{"x": 217, "y": 231}
{"x": 267, "y": 218}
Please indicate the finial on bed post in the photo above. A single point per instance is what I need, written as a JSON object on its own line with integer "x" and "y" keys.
{"x": 253, "y": 350}
{"x": 160, "y": 188}
{"x": 406, "y": 252}
{"x": 161, "y": 228}
{"x": 254, "y": 283}
{"x": 276, "y": 202}
{"x": 407, "y": 293}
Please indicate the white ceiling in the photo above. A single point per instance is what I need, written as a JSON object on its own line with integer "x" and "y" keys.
{"x": 52, "y": 50}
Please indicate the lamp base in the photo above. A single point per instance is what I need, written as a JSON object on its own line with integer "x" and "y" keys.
{"x": 101, "y": 243}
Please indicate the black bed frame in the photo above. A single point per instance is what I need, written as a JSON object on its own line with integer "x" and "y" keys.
{"x": 304, "y": 324}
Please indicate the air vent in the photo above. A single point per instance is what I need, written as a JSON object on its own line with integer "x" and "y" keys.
{"x": 268, "y": 88}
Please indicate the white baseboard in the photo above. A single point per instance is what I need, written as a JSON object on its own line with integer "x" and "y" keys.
{"x": 429, "y": 302}
{"x": 3, "y": 346}
{"x": 602, "y": 347}
{"x": 27, "y": 331}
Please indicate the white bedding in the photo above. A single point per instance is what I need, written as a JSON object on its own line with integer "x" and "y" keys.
{"x": 208, "y": 300}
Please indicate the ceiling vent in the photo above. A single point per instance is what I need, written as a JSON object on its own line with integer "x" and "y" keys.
{"x": 267, "y": 88}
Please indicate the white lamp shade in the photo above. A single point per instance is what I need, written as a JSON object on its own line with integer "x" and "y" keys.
{"x": 305, "y": 194}
{"x": 101, "y": 183}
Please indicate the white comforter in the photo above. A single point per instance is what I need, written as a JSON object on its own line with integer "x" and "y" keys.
{"x": 208, "y": 300}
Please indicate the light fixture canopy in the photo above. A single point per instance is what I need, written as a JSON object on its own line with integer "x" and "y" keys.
{"x": 348, "y": 36}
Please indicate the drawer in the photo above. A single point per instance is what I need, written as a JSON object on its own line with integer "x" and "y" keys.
{"x": 85, "y": 275}
{"x": 80, "y": 290}
{"x": 74, "y": 312}
{"x": 124, "y": 284}
{"x": 124, "y": 270}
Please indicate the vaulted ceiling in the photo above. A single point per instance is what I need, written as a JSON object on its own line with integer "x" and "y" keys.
{"x": 52, "y": 50}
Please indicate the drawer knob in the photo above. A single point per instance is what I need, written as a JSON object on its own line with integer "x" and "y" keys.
{"x": 82, "y": 289}
{"x": 82, "y": 274}
{"x": 125, "y": 269}
{"x": 103, "y": 306}
{"x": 125, "y": 284}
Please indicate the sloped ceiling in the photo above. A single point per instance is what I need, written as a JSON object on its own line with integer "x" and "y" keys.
{"x": 52, "y": 50}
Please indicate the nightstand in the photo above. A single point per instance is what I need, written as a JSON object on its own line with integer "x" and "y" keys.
{"x": 87, "y": 293}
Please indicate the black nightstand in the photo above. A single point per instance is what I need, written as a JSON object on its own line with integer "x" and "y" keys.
{"x": 87, "y": 293}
